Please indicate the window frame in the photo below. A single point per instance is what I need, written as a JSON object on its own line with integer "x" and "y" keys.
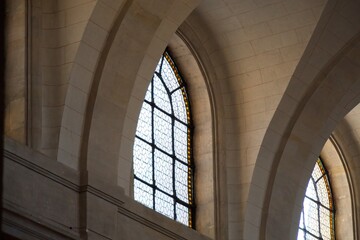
{"x": 330, "y": 209}
{"x": 190, "y": 131}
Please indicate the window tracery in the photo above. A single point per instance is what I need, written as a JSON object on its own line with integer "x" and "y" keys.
{"x": 317, "y": 215}
{"x": 163, "y": 166}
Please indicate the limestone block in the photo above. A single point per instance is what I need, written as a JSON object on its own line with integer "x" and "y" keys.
{"x": 256, "y": 121}
{"x": 237, "y": 52}
{"x": 52, "y": 116}
{"x": 275, "y": 41}
{"x": 249, "y": 33}
{"x": 178, "y": 12}
{"x": 70, "y": 52}
{"x": 257, "y": 195}
{"x": 53, "y": 20}
{"x": 262, "y": 14}
{"x": 271, "y": 102}
{"x": 52, "y": 56}
{"x": 125, "y": 171}
{"x": 304, "y": 33}
{"x": 285, "y": 69}
{"x": 54, "y": 95}
{"x": 298, "y": 6}
{"x": 95, "y": 36}
{"x": 16, "y": 114}
{"x": 66, "y": 4}
{"x": 77, "y": 99}
{"x": 72, "y": 120}
{"x": 293, "y": 52}
{"x": 66, "y": 158}
{"x": 254, "y": 93}
{"x": 292, "y": 21}
{"x": 15, "y": 88}
{"x": 247, "y": 65}
{"x": 253, "y": 215}
{"x": 79, "y": 13}
{"x": 82, "y": 78}
{"x": 269, "y": 58}
{"x": 50, "y": 138}
{"x": 87, "y": 56}
{"x": 242, "y": 6}
{"x": 101, "y": 217}
{"x": 74, "y": 33}
{"x": 56, "y": 75}
{"x": 103, "y": 16}
{"x": 237, "y": 192}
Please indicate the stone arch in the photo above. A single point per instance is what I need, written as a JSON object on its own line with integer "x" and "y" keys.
{"x": 302, "y": 124}
{"x": 106, "y": 91}
{"x": 82, "y": 77}
{"x": 342, "y": 188}
{"x": 203, "y": 139}
{"x": 303, "y": 146}
{"x": 347, "y": 139}
{"x": 104, "y": 49}
{"x": 52, "y": 44}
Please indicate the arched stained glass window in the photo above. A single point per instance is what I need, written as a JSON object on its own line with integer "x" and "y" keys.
{"x": 163, "y": 166}
{"x": 317, "y": 215}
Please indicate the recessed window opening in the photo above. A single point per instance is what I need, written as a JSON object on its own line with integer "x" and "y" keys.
{"x": 162, "y": 158}
{"x": 317, "y": 216}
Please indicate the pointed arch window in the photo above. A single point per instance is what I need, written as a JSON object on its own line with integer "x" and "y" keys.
{"x": 162, "y": 154}
{"x": 317, "y": 216}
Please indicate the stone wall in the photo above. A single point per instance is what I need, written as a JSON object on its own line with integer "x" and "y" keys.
{"x": 271, "y": 79}
{"x": 15, "y": 70}
{"x": 45, "y": 199}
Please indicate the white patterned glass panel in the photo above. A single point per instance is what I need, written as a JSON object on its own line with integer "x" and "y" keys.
{"x": 164, "y": 204}
{"x": 182, "y": 213}
{"x": 143, "y": 193}
{"x": 180, "y": 136}
{"x": 179, "y": 106}
{"x": 143, "y": 160}
{"x": 144, "y": 127}
{"x": 317, "y": 173}
{"x": 163, "y": 171}
{"x": 163, "y": 131}
{"x": 169, "y": 76}
{"x": 161, "y": 96}
{"x": 158, "y": 66}
{"x": 181, "y": 175}
{"x": 148, "y": 93}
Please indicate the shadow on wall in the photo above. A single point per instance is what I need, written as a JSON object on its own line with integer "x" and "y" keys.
{"x": 2, "y": 101}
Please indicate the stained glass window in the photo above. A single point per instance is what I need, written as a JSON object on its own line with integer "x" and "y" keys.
{"x": 163, "y": 166}
{"x": 317, "y": 215}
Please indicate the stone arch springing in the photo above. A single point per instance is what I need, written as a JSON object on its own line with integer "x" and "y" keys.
{"x": 317, "y": 98}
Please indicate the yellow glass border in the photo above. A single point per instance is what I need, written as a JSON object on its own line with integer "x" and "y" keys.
{"x": 325, "y": 177}
{"x": 189, "y": 133}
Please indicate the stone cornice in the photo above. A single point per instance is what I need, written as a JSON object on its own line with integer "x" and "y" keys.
{"x": 150, "y": 224}
{"x": 42, "y": 171}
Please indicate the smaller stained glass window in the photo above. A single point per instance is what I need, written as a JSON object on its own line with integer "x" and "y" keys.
{"x": 317, "y": 216}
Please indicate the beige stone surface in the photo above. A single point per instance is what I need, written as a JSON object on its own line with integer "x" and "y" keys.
{"x": 269, "y": 82}
{"x": 15, "y": 75}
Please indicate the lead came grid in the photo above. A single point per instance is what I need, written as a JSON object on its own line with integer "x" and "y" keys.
{"x": 317, "y": 216}
{"x": 162, "y": 153}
